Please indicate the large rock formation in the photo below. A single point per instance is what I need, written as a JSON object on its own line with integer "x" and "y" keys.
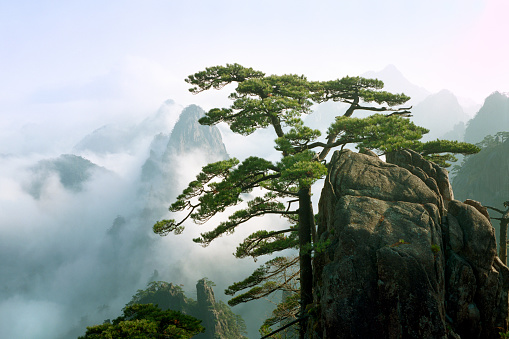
{"x": 170, "y": 155}
{"x": 189, "y": 135}
{"x": 404, "y": 259}
{"x": 206, "y": 309}
{"x": 217, "y": 318}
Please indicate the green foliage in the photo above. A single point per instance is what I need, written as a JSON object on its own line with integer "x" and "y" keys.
{"x": 348, "y": 89}
{"x": 152, "y": 289}
{"x": 263, "y": 187}
{"x": 434, "y": 150}
{"x": 377, "y": 132}
{"x": 218, "y": 76}
{"x": 266, "y": 242}
{"x": 141, "y": 319}
{"x": 256, "y": 207}
{"x": 493, "y": 140}
{"x": 208, "y": 282}
{"x": 278, "y": 274}
{"x": 147, "y": 321}
{"x": 296, "y": 138}
{"x": 235, "y": 325}
{"x": 285, "y": 311}
{"x": 259, "y": 102}
{"x": 435, "y": 248}
{"x": 266, "y": 330}
{"x": 322, "y": 245}
{"x": 301, "y": 169}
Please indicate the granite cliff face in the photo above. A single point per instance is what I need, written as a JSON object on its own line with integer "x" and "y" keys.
{"x": 403, "y": 258}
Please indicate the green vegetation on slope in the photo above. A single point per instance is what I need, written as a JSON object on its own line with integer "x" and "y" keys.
{"x": 162, "y": 310}
{"x": 146, "y": 321}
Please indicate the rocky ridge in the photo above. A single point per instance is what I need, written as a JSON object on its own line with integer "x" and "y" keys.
{"x": 403, "y": 258}
{"x": 217, "y": 318}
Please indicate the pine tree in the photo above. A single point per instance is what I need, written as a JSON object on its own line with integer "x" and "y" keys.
{"x": 279, "y": 102}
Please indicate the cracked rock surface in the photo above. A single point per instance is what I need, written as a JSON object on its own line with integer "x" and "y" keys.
{"x": 403, "y": 258}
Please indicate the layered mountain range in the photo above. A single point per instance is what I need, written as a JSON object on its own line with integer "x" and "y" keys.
{"x": 116, "y": 254}
{"x": 483, "y": 176}
{"x": 94, "y": 206}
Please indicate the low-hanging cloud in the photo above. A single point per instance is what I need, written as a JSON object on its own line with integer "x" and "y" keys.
{"x": 72, "y": 258}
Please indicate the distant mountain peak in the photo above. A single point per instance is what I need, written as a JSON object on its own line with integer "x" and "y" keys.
{"x": 439, "y": 112}
{"x": 445, "y": 92}
{"x": 391, "y": 69}
{"x": 444, "y": 95}
{"x": 491, "y": 118}
{"x": 115, "y": 138}
{"x": 188, "y": 134}
{"x": 395, "y": 81}
{"x": 498, "y": 95}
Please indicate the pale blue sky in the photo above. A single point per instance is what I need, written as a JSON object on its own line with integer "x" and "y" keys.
{"x": 83, "y": 61}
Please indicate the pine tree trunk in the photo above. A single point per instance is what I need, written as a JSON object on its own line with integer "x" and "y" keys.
{"x": 503, "y": 243}
{"x": 306, "y": 223}
{"x": 503, "y": 237}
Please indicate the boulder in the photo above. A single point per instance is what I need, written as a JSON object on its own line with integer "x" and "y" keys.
{"x": 436, "y": 177}
{"x": 403, "y": 259}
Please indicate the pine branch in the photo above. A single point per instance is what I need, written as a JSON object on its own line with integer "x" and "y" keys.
{"x": 259, "y": 292}
{"x": 399, "y": 111}
{"x": 495, "y": 209}
{"x": 266, "y": 242}
{"x": 267, "y": 271}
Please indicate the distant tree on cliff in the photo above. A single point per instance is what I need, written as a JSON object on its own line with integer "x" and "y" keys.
{"x": 279, "y": 102}
{"x": 493, "y": 140}
{"x": 146, "y": 321}
{"x": 217, "y": 317}
{"x": 504, "y": 222}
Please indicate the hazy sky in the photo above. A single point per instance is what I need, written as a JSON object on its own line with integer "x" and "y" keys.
{"x": 78, "y": 62}
{"x": 69, "y": 67}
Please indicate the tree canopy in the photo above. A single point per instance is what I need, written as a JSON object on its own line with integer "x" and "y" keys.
{"x": 263, "y": 187}
{"x": 146, "y": 321}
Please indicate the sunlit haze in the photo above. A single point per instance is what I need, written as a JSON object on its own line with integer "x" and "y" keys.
{"x": 82, "y": 64}
{"x": 68, "y": 68}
